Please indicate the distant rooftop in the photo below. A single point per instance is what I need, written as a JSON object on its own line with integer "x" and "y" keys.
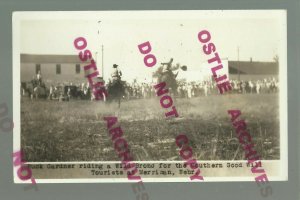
{"x": 34, "y": 58}
{"x": 244, "y": 67}
{"x": 251, "y": 67}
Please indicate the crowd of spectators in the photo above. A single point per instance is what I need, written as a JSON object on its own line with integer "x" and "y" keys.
{"x": 206, "y": 88}
{"x": 136, "y": 90}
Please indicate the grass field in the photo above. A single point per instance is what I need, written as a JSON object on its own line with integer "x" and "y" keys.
{"x": 76, "y": 131}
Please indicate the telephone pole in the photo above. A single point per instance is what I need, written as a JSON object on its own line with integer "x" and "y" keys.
{"x": 238, "y": 54}
{"x": 102, "y": 50}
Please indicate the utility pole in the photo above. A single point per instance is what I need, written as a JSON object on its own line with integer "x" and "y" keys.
{"x": 238, "y": 54}
{"x": 102, "y": 50}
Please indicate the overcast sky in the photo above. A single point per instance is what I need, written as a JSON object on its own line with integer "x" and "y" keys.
{"x": 257, "y": 34}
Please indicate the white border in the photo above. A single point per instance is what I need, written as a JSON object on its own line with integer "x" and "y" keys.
{"x": 117, "y": 15}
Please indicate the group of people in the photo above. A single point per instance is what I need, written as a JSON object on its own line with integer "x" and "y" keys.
{"x": 206, "y": 88}
{"x": 135, "y": 90}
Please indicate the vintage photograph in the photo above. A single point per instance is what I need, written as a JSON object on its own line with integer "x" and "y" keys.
{"x": 159, "y": 82}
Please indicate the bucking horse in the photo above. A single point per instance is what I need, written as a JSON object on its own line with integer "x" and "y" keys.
{"x": 165, "y": 74}
{"x": 116, "y": 91}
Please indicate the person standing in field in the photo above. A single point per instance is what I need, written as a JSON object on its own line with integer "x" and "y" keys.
{"x": 50, "y": 92}
{"x": 258, "y": 87}
{"x": 251, "y": 85}
{"x": 189, "y": 91}
{"x": 243, "y": 87}
{"x": 206, "y": 89}
{"x": 69, "y": 93}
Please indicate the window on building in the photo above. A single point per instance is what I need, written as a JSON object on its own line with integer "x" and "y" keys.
{"x": 77, "y": 68}
{"x": 37, "y": 68}
{"x": 58, "y": 69}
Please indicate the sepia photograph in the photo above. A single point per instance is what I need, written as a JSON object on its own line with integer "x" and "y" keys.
{"x": 166, "y": 87}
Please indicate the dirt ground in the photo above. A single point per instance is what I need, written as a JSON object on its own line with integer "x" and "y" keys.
{"x": 76, "y": 131}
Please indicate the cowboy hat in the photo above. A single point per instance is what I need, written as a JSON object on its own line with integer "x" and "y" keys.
{"x": 184, "y": 68}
